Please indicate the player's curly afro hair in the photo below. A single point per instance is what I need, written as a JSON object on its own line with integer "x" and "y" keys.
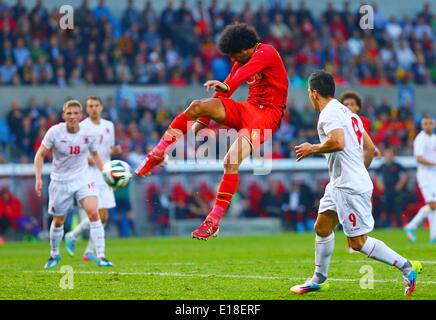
{"x": 237, "y": 37}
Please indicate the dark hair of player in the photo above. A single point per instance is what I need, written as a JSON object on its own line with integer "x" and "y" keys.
{"x": 322, "y": 82}
{"x": 96, "y": 98}
{"x": 352, "y": 95}
{"x": 237, "y": 37}
{"x": 427, "y": 116}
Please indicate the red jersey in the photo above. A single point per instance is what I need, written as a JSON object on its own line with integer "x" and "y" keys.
{"x": 265, "y": 75}
{"x": 366, "y": 124}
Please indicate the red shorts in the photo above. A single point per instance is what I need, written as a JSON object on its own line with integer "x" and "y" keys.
{"x": 253, "y": 122}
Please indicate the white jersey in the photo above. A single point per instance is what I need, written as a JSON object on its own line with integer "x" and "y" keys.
{"x": 105, "y": 133}
{"x": 425, "y": 146}
{"x": 70, "y": 152}
{"x": 346, "y": 168}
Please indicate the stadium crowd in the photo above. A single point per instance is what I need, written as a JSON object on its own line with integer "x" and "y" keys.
{"x": 137, "y": 129}
{"x": 176, "y": 45}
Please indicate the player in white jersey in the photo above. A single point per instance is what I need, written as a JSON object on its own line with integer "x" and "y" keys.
{"x": 71, "y": 146}
{"x": 347, "y": 199}
{"x": 424, "y": 148}
{"x": 105, "y": 132}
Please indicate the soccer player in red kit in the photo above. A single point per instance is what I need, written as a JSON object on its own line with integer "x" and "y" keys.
{"x": 261, "y": 67}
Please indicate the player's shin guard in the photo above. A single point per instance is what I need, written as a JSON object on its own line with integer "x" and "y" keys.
{"x": 378, "y": 250}
{"x": 97, "y": 237}
{"x": 323, "y": 252}
{"x": 226, "y": 189}
{"x": 56, "y": 235}
{"x": 177, "y": 128}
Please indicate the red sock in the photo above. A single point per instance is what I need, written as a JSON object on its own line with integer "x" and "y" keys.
{"x": 177, "y": 128}
{"x": 228, "y": 186}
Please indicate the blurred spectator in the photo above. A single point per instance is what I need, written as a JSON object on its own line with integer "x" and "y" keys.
{"x": 273, "y": 200}
{"x": 124, "y": 216}
{"x": 391, "y": 180}
{"x": 298, "y": 206}
{"x": 8, "y": 71}
{"x": 12, "y": 209}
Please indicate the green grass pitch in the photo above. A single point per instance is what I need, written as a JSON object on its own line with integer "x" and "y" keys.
{"x": 261, "y": 267}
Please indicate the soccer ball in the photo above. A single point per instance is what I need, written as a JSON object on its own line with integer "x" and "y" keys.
{"x": 116, "y": 173}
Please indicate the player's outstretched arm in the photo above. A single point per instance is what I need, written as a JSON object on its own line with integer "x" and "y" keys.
{"x": 368, "y": 150}
{"x": 97, "y": 159}
{"x": 216, "y": 85}
{"x": 38, "y": 163}
{"x": 334, "y": 142}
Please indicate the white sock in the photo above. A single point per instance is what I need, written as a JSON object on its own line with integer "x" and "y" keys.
{"x": 419, "y": 218}
{"x": 97, "y": 237}
{"x": 378, "y": 250}
{"x": 82, "y": 226}
{"x": 323, "y": 252}
{"x": 56, "y": 235}
{"x": 90, "y": 248}
{"x": 432, "y": 220}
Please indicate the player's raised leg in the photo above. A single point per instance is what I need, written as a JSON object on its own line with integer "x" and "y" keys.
{"x": 210, "y": 108}
{"x": 418, "y": 220}
{"x": 325, "y": 223}
{"x": 239, "y": 150}
{"x": 56, "y": 235}
{"x": 378, "y": 250}
{"x": 96, "y": 229}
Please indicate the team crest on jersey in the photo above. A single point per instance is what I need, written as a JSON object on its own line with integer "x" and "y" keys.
{"x": 254, "y": 78}
{"x": 107, "y": 130}
{"x": 85, "y": 140}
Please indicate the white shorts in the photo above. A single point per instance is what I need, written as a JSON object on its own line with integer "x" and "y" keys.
{"x": 61, "y": 195}
{"x": 428, "y": 192}
{"x": 106, "y": 197}
{"x": 354, "y": 210}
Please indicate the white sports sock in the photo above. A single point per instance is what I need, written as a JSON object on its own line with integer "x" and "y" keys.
{"x": 419, "y": 218}
{"x": 97, "y": 237}
{"x": 90, "y": 247}
{"x": 323, "y": 252}
{"x": 82, "y": 226}
{"x": 432, "y": 220}
{"x": 378, "y": 250}
{"x": 56, "y": 235}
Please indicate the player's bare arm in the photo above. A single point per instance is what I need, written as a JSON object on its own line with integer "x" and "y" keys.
{"x": 38, "y": 163}
{"x": 117, "y": 149}
{"x": 97, "y": 159}
{"x": 216, "y": 85}
{"x": 335, "y": 142}
{"x": 404, "y": 178}
{"x": 369, "y": 150}
{"x": 424, "y": 161}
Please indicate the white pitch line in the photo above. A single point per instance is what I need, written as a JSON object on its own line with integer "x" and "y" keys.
{"x": 231, "y": 276}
